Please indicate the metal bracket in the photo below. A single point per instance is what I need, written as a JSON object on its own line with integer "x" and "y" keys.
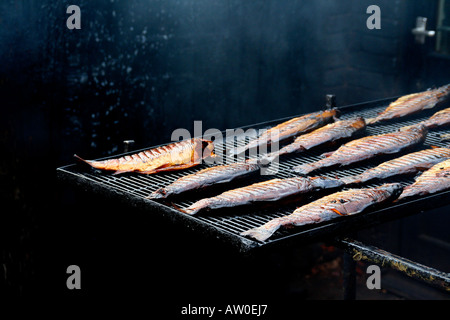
{"x": 421, "y": 32}
{"x": 362, "y": 252}
{"x": 330, "y": 101}
{"x": 127, "y": 144}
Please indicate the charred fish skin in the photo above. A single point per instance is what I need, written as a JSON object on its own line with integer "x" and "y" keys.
{"x": 331, "y": 132}
{"x": 290, "y": 129}
{"x": 175, "y": 156}
{"x": 267, "y": 191}
{"x": 431, "y": 181}
{"x": 205, "y": 178}
{"x": 439, "y": 119}
{"x": 368, "y": 147}
{"x": 412, "y": 103}
{"x": 344, "y": 203}
{"x": 408, "y": 164}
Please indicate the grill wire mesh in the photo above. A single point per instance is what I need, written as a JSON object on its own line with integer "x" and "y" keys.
{"x": 235, "y": 221}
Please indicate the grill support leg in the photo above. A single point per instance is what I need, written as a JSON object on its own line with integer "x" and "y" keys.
{"x": 349, "y": 277}
{"x": 361, "y": 252}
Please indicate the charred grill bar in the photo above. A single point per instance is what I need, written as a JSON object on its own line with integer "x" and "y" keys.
{"x": 132, "y": 189}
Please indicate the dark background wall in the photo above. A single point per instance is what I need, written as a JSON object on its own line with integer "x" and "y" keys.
{"x": 141, "y": 69}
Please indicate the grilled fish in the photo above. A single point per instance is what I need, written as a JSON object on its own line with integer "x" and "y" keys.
{"x": 410, "y": 163}
{"x": 329, "y": 133}
{"x": 272, "y": 190}
{"x": 344, "y": 203}
{"x": 431, "y": 181}
{"x": 205, "y": 178}
{"x": 412, "y": 103}
{"x": 290, "y": 129}
{"x": 445, "y": 137}
{"x": 368, "y": 147}
{"x": 175, "y": 156}
{"x": 439, "y": 119}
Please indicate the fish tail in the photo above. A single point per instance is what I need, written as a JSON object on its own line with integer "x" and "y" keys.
{"x": 304, "y": 169}
{"x": 428, "y": 123}
{"x": 95, "y": 164}
{"x": 269, "y": 158}
{"x": 371, "y": 121}
{"x": 351, "y": 180}
{"x": 81, "y": 159}
{"x": 197, "y": 207}
{"x": 178, "y": 208}
{"x": 445, "y": 137}
{"x": 406, "y": 128}
{"x": 260, "y": 233}
{"x": 264, "y": 232}
{"x": 106, "y": 164}
{"x": 190, "y": 211}
{"x": 407, "y": 192}
{"x": 158, "y": 194}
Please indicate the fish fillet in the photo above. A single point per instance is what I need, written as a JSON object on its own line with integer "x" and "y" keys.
{"x": 412, "y": 103}
{"x": 331, "y": 132}
{"x": 369, "y": 147}
{"x": 206, "y": 177}
{"x": 408, "y": 164}
{"x": 272, "y": 190}
{"x": 340, "y": 204}
{"x": 290, "y": 129}
{"x": 175, "y": 156}
{"x": 434, "y": 180}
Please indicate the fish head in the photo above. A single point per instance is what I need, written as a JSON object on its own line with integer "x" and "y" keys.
{"x": 256, "y": 164}
{"x": 444, "y": 90}
{"x": 419, "y": 128}
{"x": 326, "y": 182}
{"x": 208, "y": 148}
{"x": 332, "y": 113}
{"x": 393, "y": 190}
{"x": 203, "y": 149}
{"x": 359, "y": 122}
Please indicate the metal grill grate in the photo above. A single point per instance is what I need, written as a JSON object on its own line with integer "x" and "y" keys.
{"x": 233, "y": 222}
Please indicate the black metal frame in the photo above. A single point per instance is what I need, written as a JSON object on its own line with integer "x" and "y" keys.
{"x": 358, "y": 251}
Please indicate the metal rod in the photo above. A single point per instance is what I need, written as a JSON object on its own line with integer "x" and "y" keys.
{"x": 127, "y": 144}
{"x": 360, "y": 251}
{"x": 349, "y": 277}
{"x": 330, "y": 101}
